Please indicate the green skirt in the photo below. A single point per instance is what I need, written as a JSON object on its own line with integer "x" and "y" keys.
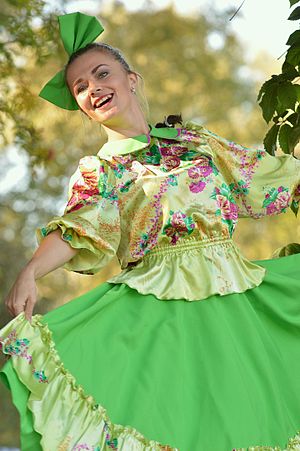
{"x": 114, "y": 369}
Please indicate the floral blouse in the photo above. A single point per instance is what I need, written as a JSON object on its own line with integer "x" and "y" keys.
{"x": 167, "y": 204}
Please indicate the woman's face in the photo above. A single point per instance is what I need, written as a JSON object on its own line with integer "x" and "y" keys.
{"x": 101, "y": 87}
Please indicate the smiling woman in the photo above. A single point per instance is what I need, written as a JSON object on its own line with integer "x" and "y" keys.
{"x": 191, "y": 347}
{"x": 100, "y": 79}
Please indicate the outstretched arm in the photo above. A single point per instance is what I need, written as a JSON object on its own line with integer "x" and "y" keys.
{"x": 90, "y": 227}
{"x": 52, "y": 253}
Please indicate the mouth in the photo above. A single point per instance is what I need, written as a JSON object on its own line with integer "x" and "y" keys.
{"x": 103, "y": 101}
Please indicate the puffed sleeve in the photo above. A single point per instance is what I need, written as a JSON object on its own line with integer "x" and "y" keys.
{"x": 91, "y": 221}
{"x": 260, "y": 184}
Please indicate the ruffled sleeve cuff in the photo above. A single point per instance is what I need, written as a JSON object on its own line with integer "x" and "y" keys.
{"x": 91, "y": 222}
{"x": 93, "y": 252}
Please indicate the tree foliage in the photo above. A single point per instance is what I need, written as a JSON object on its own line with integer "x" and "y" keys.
{"x": 279, "y": 97}
{"x": 26, "y": 34}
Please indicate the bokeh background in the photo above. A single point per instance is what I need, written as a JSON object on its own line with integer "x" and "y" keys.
{"x": 194, "y": 60}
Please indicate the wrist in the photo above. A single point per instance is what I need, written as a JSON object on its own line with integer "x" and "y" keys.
{"x": 32, "y": 269}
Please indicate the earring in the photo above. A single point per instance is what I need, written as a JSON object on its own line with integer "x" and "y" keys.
{"x": 132, "y": 89}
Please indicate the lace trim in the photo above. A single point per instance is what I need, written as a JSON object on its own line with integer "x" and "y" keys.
{"x": 98, "y": 427}
{"x": 95, "y": 431}
{"x": 293, "y": 445}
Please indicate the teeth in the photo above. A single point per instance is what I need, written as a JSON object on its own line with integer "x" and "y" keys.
{"x": 99, "y": 103}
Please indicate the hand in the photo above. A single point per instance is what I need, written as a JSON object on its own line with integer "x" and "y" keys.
{"x": 52, "y": 253}
{"x": 23, "y": 295}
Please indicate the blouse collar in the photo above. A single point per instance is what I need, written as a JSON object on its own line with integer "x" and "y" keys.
{"x": 127, "y": 145}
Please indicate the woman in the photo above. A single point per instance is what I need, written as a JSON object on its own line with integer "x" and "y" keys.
{"x": 191, "y": 346}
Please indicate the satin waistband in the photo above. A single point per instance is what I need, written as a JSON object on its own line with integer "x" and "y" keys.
{"x": 189, "y": 245}
{"x": 192, "y": 269}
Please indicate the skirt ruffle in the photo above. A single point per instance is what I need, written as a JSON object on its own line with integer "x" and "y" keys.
{"x": 114, "y": 369}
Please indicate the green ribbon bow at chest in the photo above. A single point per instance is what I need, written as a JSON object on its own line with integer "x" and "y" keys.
{"x": 76, "y": 31}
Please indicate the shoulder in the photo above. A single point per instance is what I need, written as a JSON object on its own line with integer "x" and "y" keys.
{"x": 193, "y": 131}
{"x": 90, "y": 171}
{"x": 200, "y": 137}
{"x": 92, "y": 164}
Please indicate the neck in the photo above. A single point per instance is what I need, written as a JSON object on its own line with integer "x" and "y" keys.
{"x": 135, "y": 124}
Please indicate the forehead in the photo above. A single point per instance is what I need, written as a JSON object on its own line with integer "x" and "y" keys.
{"x": 83, "y": 65}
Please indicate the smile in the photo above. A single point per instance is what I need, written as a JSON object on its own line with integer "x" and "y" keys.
{"x": 103, "y": 101}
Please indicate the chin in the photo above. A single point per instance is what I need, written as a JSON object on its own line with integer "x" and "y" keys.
{"x": 107, "y": 117}
{"x": 112, "y": 120}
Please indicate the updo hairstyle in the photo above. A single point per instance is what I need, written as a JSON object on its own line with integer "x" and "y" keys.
{"x": 169, "y": 121}
{"x": 117, "y": 55}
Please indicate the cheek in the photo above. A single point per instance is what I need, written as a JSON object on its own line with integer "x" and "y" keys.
{"x": 83, "y": 102}
{"x": 126, "y": 93}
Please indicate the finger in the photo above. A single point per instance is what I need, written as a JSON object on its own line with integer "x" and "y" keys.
{"x": 6, "y": 303}
{"x": 29, "y": 307}
{"x": 11, "y": 301}
{"x": 10, "y": 307}
{"x": 9, "y": 304}
{"x": 19, "y": 305}
{"x": 19, "y": 309}
{"x": 10, "y": 312}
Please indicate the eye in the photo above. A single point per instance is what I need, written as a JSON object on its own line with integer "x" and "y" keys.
{"x": 80, "y": 89}
{"x": 102, "y": 74}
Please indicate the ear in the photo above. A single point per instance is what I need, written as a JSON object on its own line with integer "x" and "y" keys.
{"x": 133, "y": 79}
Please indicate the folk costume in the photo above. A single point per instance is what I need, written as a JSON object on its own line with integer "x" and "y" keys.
{"x": 192, "y": 347}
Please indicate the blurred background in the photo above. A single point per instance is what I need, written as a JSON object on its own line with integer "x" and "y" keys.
{"x": 194, "y": 60}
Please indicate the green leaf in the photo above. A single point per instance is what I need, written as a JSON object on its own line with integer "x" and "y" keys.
{"x": 267, "y": 86}
{"x": 297, "y": 89}
{"x": 262, "y": 90}
{"x": 270, "y": 141}
{"x": 294, "y": 38}
{"x": 287, "y": 95}
{"x": 268, "y": 102}
{"x": 284, "y": 134}
{"x": 280, "y": 110}
{"x": 294, "y": 138}
{"x": 293, "y": 118}
{"x": 288, "y": 68}
{"x": 293, "y": 55}
{"x": 295, "y": 15}
{"x": 294, "y": 207}
{"x": 293, "y": 2}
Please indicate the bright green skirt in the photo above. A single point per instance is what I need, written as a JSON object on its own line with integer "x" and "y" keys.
{"x": 114, "y": 369}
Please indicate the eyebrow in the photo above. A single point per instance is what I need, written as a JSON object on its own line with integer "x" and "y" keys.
{"x": 92, "y": 72}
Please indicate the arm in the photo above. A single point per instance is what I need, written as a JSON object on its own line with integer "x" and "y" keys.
{"x": 84, "y": 239}
{"x": 52, "y": 253}
{"x": 258, "y": 183}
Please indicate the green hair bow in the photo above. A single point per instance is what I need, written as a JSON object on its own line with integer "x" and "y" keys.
{"x": 76, "y": 31}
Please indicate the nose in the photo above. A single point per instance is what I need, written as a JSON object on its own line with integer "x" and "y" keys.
{"x": 95, "y": 91}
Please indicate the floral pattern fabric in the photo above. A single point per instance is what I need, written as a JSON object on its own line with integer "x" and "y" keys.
{"x": 167, "y": 189}
{"x": 87, "y": 425}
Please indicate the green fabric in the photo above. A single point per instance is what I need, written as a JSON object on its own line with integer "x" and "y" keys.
{"x": 76, "y": 31}
{"x": 204, "y": 376}
{"x": 30, "y": 439}
{"x": 127, "y": 145}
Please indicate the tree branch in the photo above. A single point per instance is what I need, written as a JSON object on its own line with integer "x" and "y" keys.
{"x": 232, "y": 17}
